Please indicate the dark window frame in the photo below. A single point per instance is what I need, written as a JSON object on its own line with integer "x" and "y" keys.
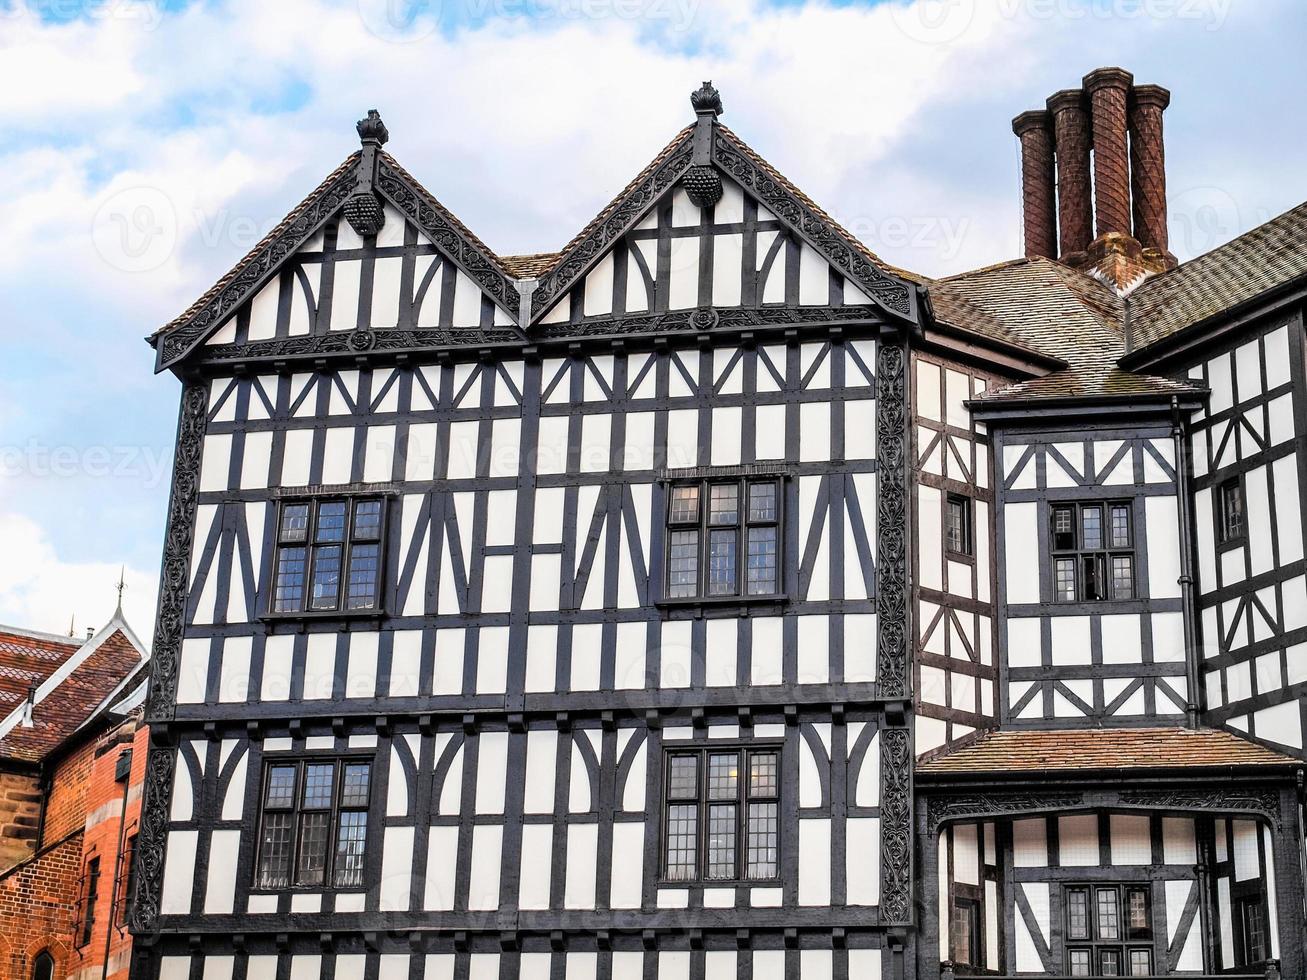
{"x": 309, "y": 545}
{"x": 1127, "y": 940}
{"x": 967, "y": 900}
{"x": 90, "y": 895}
{"x": 126, "y": 882}
{"x": 703, "y": 527}
{"x": 1246, "y": 897}
{"x": 744, "y": 750}
{"x": 967, "y": 509}
{"x": 43, "y": 965}
{"x": 330, "y": 877}
{"x": 1092, "y": 566}
{"x": 1231, "y": 528}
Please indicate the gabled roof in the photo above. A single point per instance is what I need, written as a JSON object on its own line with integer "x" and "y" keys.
{"x": 893, "y": 292}
{"x": 26, "y": 659}
{"x": 1270, "y": 256}
{"x": 180, "y": 336}
{"x": 89, "y": 679}
{"x": 1101, "y": 749}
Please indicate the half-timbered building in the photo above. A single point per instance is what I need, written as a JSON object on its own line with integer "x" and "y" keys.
{"x": 709, "y": 600}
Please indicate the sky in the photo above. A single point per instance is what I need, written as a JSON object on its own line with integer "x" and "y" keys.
{"x": 148, "y": 145}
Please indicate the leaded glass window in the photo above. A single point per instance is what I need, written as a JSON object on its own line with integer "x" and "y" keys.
{"x": 1092, "y": 548}
{"x": 313, "y": 824}
{"x": 723, "y": 538}
{"x": 329, "y": 556}
{"x": 721, "y": 814}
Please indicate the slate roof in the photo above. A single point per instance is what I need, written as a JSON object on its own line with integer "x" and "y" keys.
{"x": 1052, "y": 308}
{"x": 1100, "y": 749}
{"x": 1271, "y": 255}
{"x": 98, "y": 666}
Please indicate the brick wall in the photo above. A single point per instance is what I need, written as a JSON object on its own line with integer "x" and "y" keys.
{"x": 20, "y": 815}
{"x": 40, "y": 898}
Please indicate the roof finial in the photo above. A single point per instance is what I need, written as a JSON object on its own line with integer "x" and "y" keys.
{"x": 702, "y": 182}
{"x": 372, "y": 129}
{"x": 363, "y": 209}
{"x": 121, "y": 586}
{"x": 72, "y": 624}
{"x": 707, "y": 99}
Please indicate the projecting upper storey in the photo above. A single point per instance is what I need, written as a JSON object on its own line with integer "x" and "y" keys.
{"x": 708, "y": 237}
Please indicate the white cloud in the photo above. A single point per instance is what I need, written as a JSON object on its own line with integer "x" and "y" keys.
{"x": 40, "y": 590}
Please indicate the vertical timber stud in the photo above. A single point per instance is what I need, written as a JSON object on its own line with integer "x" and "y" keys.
{"x": 161, "y": 702}
{"x": 892, "y": 626}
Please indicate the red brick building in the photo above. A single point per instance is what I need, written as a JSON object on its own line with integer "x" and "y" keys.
{"x": 72, "y": 757}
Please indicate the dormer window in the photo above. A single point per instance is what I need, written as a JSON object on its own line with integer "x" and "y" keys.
{"x": 1093, "y": 552}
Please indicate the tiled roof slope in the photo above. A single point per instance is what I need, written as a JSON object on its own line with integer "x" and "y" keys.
{"x": 73, "y": 700}
{"x": 1270, "y": 255}
{"x": 1102, "y": 749}
{"x": 1059, "y": 311}
{"x": 27, "y": 659}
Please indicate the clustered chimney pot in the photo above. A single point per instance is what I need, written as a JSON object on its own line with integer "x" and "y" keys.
{"x": 1148, "y": 167}
{"x": 1074, "y": 192}
{"x": 1038, "y": 194}
{"x": 1119, "y": 213}
{"x": 1109, "y": 93}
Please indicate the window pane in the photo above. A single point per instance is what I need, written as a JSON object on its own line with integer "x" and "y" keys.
{"x": 1091, "y": 570}
{"x": 281, "y": 788}
{"x": 295, "y": 522}
{"x": 1091, "y": 525}
{"x": 350, "y": 840}
{"x": 1077, "y": 914}
{"x": 762, "y": 561}
{"x": 1141, "y": 963}
{"x": 724, "y": 503}
{"x": 367, "y": 520}
{"x": 1123, "y": 577}
{"x": 685, "y": 505}
{"x": 288, "y": 592}
{"x": 682, "y": 837}
{"x": 762, "y": 843}
{"x": 1065, "y": 579}
{"x": 1078, "y": 962}
{"x": 1255, "y": 930}
{"x": 331, "y": 521}
{"x": 354, "y": 790}
{"x": 721, "y": 840}
{"x": 274, "y": 851}
{"x": 722, "y": 546}
{"x": 956, "y": 529}
{"x": 317, "y": 786}
{"x": 1137, "y": 913}
{"x": 362, "y": 590}
{"x": 1064, "y": 529}
{"x": 1109, "y": 961}
{"x": 962, "y": 934}
{"x": 762, "y": 501}
{"x": 1232, "y": 510}
{"x": 683, "y": 777}
{"x": 683, "y": 564}
{"x": 1109, "y": 918}
{"x": 1120, "y": 527}
{"x": 326, "y": 577}
{"x": 724, "y": 776}
{"x": 313, "y": 847}
{"x": 762, "y": 774}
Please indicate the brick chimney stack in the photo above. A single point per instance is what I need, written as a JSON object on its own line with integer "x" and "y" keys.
{"x": 1111, "y": 221}
{"x": 1038, "y": 191}
{"x": 1109, "y": 92}
{"x": 1148, "y": 166}
{"x": 1074, "y": 192}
